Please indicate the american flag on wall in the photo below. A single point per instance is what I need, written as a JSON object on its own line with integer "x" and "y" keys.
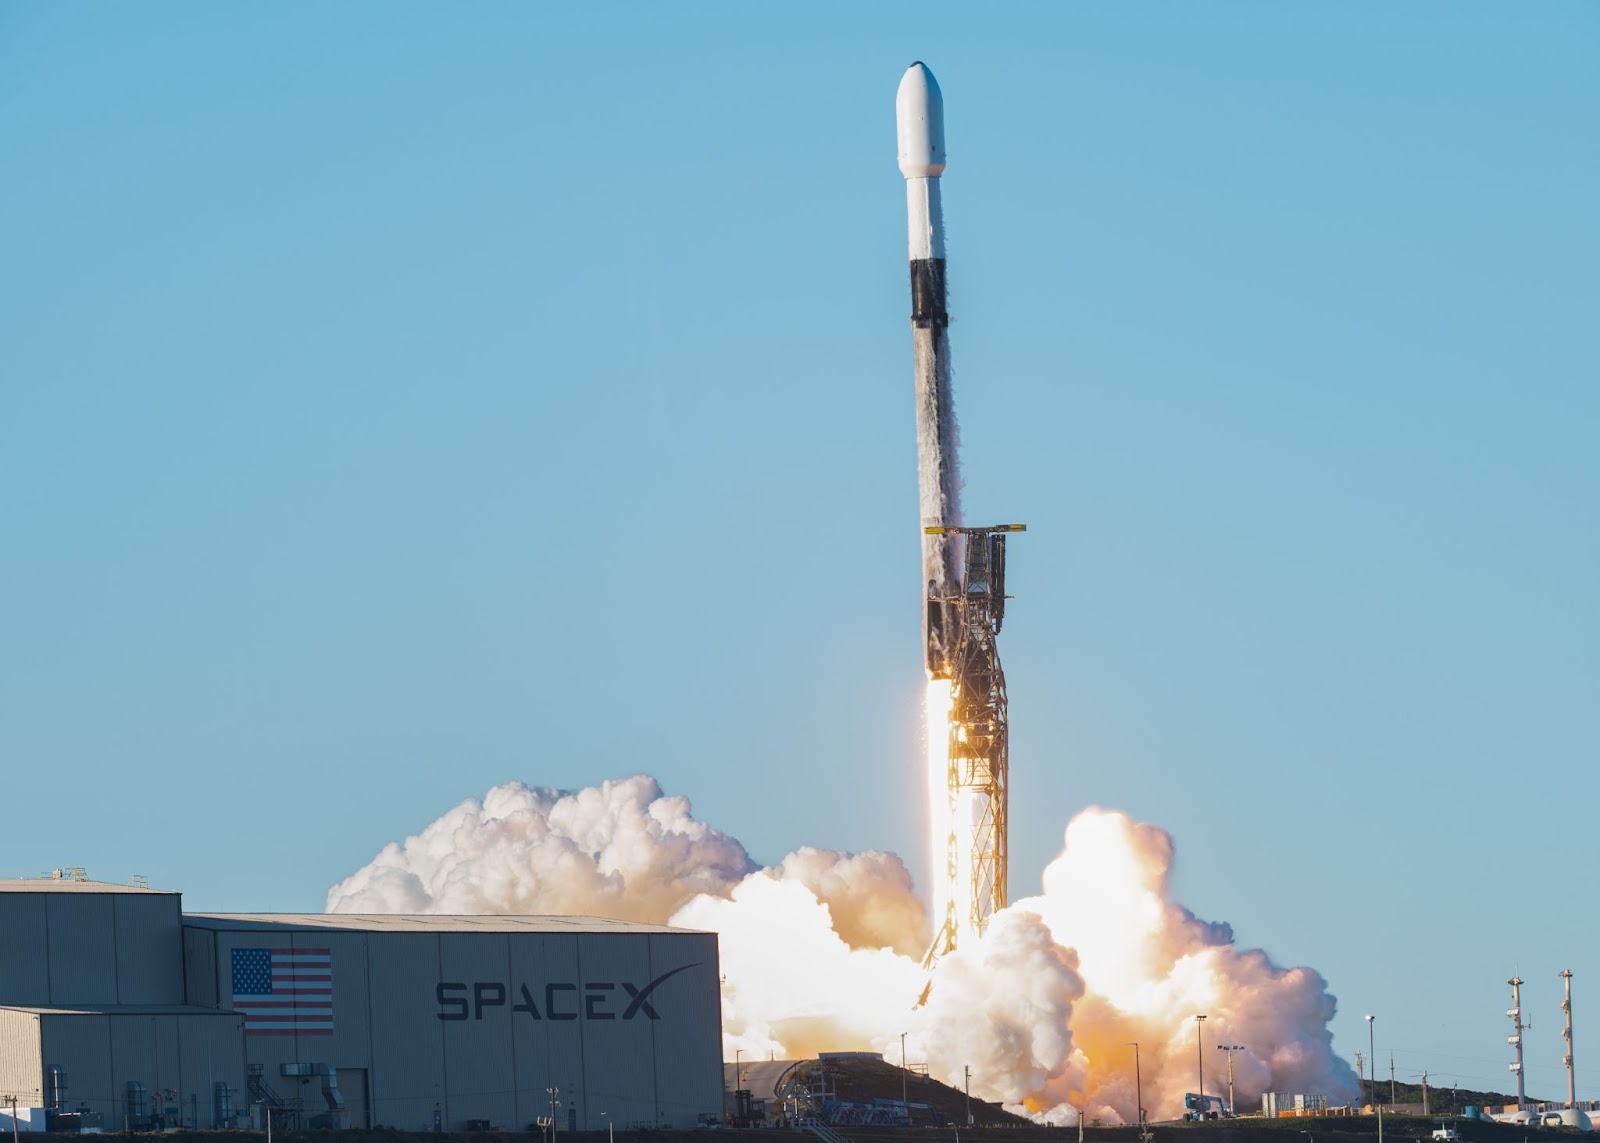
{"x": 282, "y": 992}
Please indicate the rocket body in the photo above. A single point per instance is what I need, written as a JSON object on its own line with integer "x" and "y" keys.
{"x": 963, "y": 571}
{"x": 919, "y": 123}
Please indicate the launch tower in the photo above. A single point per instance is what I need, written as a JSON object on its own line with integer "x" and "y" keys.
{"x": 976, "y": 752}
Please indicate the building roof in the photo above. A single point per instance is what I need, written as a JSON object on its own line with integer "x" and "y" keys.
{"x": 121, "y": 1010}
{"x": 72, "y": 885}
{"x": 418, "y": 923}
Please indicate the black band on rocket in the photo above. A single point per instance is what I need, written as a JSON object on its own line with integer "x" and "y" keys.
{"x": 928, "y": 293}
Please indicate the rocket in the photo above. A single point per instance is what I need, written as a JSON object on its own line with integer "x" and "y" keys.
{"x": 919, "y": 127}
{"x": 963, "y": 575}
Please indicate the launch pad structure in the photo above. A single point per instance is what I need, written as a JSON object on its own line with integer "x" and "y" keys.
{"x": 977, "y": 752}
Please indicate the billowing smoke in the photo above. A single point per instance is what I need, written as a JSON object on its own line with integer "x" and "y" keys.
{"x": 622, "y": 849}
{"x": 821, "y": 951}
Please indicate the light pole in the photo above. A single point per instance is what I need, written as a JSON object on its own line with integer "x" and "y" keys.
{"x": 903, "y": 1106}
{"x": 1372, "y": 1089}
{"x": 966, "y": 1083}
{"x": 611, "y": 1126}
{"x": 737, "y": 1052}
{"x": 1138, "y": 1088}
{"x": 264, "y": 1105}
{"x": 1200, "y": 1055}
{"x": 1230, "y": 1049}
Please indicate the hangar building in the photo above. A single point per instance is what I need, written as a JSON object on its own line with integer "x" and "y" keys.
{"x": 117, "y": 1004}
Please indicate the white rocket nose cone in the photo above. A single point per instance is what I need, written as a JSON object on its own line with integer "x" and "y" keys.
{"x": 919, "y": 123}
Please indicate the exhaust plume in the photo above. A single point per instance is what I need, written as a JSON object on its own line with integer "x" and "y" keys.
{"x": 820, "y": 950}
{"x": 623, "y": 849}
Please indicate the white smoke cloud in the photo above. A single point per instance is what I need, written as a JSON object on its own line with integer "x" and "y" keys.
{"x": 794, "y": 985}
{"x": 822, "y": 951}
{"x": 623, "y": 849}
{"x": 869, "y": 895}
{"x": 1149, "y": 966}
{"x": 1005, "y": 1007}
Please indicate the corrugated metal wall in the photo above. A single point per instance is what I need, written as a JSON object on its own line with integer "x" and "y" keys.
{"x": 209, "y": 958}
{"x": 525, "y": 1012}
{"x": 210, "y": 1048}
{"x": 478, "y": 1024}
{"x": 544, "y": 1049}
{"x": 144, "y": 1049}
{"x": 21, "y": 1069}
{"x": 82, "y": 1045}
{"x": 83, "y": 948}
{"x": 149, "y": 948}
{"x": 24, "y": 959}
{"x": 200, "y": 967}
{"x": 480, "y": 1067}
{"x": 62, "y": 950}
{"x": 688, "y": 1037}
{"x": 182, "y": 1054}
{"x": 407, "y": 1068}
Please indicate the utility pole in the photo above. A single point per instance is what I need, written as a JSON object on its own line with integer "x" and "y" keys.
{"x": 966, "y": 1083}
{"x": 1199, "y": 1053}
{"x": 1230, "y": 1049}
{"x": 1372, "y": 1059}
{"x": 1424, "y": 1095}
{"x": 903, "y": 1106}
{"x": 1566, "y": 1034}
{"x": 1515, "y": 1039}
{"x": 1361, "y": 1074}
{"x": 554, "y": 1103}
{"x": 13, "y": 1119}
{"x": 1392, "y": 1099}
{"x": 1138, "y": 1093}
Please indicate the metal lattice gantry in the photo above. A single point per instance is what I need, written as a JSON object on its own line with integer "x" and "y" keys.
{"x": 976, "y": 849}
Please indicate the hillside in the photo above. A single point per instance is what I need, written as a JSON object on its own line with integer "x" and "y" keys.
{"x": 862, "y": 1079}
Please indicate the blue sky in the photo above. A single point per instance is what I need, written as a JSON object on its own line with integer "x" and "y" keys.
{"x": 397, "y": 399}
